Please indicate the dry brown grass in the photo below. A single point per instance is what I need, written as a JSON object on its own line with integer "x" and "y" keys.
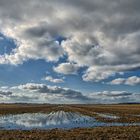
{"x": 24, "y": 108}
{"x": 126, "y": 112}
{"x": 99, "y": 133}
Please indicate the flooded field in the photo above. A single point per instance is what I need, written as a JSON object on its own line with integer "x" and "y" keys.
{"x": 58, "y": 119}
{"x": 49, "y": 122}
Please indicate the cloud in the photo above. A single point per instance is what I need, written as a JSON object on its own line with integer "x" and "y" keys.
{"x": 53, "y": 80}
{"x": 5, "y": 93}
{"x": 46, "y": 49}
{"x": 97, "y": 74}
{"x": 134, "y": 80}
{"x": 42, "y": 93}
{"x": 66, "y": 68}
{"x": 102, "y": 60}
{"x": 99, "y": 38}
{"x": 115, "y": 97}
{"x": 48, "y": 94}
{"x": 5, "y": 96}
{"x": 117, "y": 81}
{"x": 116, "y": 93}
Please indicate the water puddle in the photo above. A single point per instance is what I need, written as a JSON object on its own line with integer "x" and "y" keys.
{"x": 108, "y": 116}
{"x": 59, "y": 119}
{"x": 136, "y": 115}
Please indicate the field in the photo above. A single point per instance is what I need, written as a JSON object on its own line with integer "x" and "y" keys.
{"x": 128, "y": 114}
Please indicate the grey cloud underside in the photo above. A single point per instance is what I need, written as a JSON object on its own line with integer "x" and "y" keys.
{"x": 55, "y": 92}
{"x": 41, "y": 93}
{"x": 66, "y": 68}
{"x": 134, "y": 80}
{"x": 53, "y": 80}
{"x": 115, "y": 97}
{"x": 100, "y": 35}
{"x": 5, "y": 92}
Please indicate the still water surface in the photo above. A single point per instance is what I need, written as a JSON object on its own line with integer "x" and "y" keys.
{"x": 59, "y": 119}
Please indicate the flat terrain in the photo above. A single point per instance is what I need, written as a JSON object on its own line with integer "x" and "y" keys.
{"x": 100, "y": 133}
{"x": 128, "y": 113}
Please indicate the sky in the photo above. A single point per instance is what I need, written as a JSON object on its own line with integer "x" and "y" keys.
{"x": 69, "y": 51}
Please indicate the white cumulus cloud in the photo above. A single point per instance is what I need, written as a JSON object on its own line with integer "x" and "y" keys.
{"x": 53, "y": 80}
{"x": 67, "y": 68}
{"x": 133, "y": 80}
